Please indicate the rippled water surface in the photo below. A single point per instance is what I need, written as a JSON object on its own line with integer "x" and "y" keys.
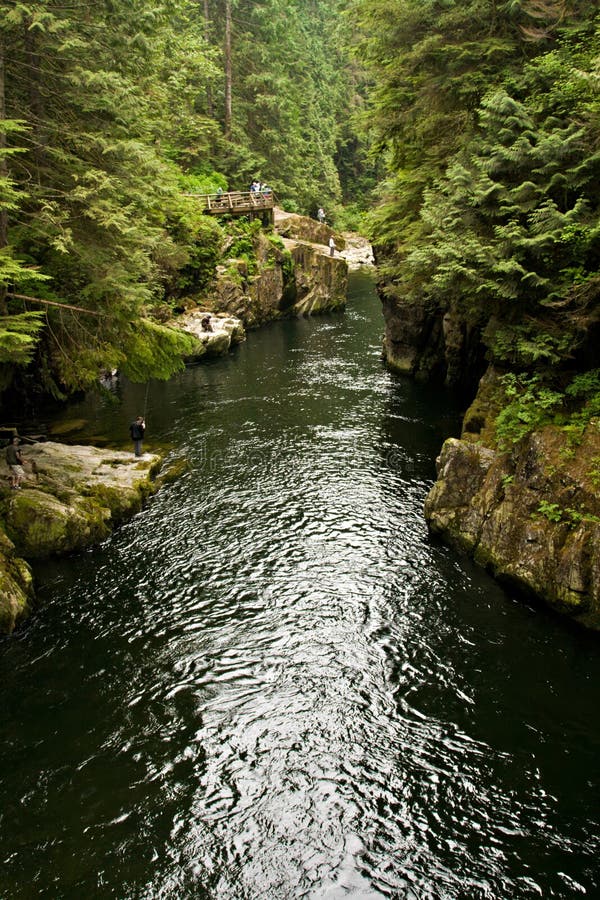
{"x": 272, "y": 684}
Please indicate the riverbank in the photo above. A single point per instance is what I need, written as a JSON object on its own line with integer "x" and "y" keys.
{"x": 519, "y": 491}
{"x": 529, "y": 514}
{"x": 72, "y": 498}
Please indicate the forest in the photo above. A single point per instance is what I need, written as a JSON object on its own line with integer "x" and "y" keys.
{"x": 111, "y": 112}
{"x": 469, "y": 131}
{"x": 487, "y": 116}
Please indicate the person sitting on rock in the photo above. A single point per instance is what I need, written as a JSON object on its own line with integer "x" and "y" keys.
{"x": 206, "y": 324}
{"x": 14, "y": 460}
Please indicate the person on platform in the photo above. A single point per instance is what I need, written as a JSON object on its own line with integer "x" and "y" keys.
{"x": 331, "y": 247}
{"x": 14, "y": 460}
{"x": 137, "y": 430}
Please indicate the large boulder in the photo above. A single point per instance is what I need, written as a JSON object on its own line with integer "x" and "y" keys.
{"x": 530, "y": 516}
{"x": 16, "y": 586}
{"x": 226, "y": 331}
{"x": 307, "y": 230}
{"x": 72, "y": 497}
{"x": 321, "y": 280}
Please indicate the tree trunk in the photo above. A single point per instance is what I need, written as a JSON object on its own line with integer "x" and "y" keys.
{"x": 209, "y": 102}
{"x": 35, "y": 98}
{"x": 3, "y": 171}
{"x": 228, "y": 69}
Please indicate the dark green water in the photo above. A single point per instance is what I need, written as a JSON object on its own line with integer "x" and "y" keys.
{"x": 272, "y": 684}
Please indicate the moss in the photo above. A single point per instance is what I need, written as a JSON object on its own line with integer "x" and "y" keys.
{"x": 68, "y": 426}
{"x": 172, "y": 472}
{"x": 16, "y": 587}
{"x": 111, "y": 499}
{"x": 40, "y": 525}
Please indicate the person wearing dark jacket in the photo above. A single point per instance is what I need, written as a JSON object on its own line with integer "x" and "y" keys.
{"x": 136, "y": 430}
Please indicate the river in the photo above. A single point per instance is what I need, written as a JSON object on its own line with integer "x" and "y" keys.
{"x": 272, "y": 683}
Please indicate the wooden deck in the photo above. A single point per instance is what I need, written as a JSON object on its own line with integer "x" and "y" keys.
{"x": 238, "y": 203}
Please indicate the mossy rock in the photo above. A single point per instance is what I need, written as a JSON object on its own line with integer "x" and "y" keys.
{"x": 16, "y": 587}
{"x": 41, "y": 525}
{"x": 69, "y": 426}
{"x": 172, "y": 471}
{"x": 117, "y": 502}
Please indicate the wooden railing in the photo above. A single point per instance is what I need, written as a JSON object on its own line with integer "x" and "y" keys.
{"x": 236, "y": 202}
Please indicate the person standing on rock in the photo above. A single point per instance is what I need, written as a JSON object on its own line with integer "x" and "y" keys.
{"x": 321, "y": 215}
{"x": 331, "y": 247}
{"x": 136, "y": 430}
{"x": 14, "y": 460}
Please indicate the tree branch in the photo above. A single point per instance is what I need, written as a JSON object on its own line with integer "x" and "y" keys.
{"x": 89, "y": 312}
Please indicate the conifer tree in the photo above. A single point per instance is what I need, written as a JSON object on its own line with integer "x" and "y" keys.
{"x": 93, "y": 88}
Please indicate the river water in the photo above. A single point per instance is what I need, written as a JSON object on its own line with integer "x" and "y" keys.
{"x": 272, "y": 684}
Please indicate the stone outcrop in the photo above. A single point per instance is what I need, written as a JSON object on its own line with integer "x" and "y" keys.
{"x": 227, "y": 331}
{"x": 531, "y": 516}
{"x": 295, "y": 278}
{"x": 306, "y": 230}
{"x": 16, "y": 586}
{"x": 71, "y": 499}
{"x": 321, "y": 280}
{"x": 427, "y": 342}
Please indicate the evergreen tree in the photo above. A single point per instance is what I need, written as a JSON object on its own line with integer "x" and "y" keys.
{"x": 514, "y": 220}
{"x": 94, "y": 88}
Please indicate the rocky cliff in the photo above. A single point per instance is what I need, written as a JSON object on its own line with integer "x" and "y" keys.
{"x": 287, "y": 277}
{"x": 525, "y": 508}
{"x": 531, "y": 516}
{"x": 427, "y": 342}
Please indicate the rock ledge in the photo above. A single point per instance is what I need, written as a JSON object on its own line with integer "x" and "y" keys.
{"x": 72, "y": 498}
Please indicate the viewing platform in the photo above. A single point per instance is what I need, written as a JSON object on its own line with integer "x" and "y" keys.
{"x": 239, "y": 203}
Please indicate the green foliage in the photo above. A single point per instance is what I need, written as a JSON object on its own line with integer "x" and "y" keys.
{"x": 101, "y": 103}
{"x": 530, "y": 405}
{"x": 594, "y": 473}
{"x": 197, "y": 239}
{"x": 585, "y": 385}
{"x": 553, "y": 512}
{"x": 585, "y": 390}
{"x": 526, "y": 345}
{"x": 18, "y": 336}
{"x": 288, "y": 267}
{"x": 244, "y": 244}
{"x": 202, "y": 183}
{"x": 550, "y": 511}
{"x": 487, "y": 119}
{"x": 155, "y": 351}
